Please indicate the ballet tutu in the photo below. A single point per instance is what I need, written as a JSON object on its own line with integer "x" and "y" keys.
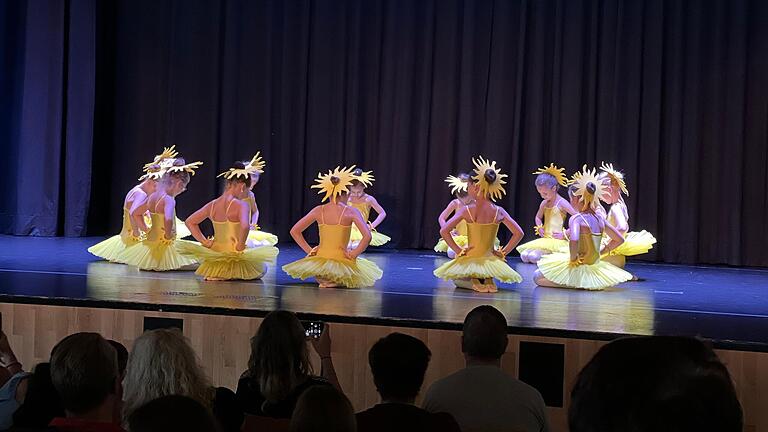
{"x": 349, "y": 273}
{"x": 460, "y": 240}
{"x": 260, "y": 238}
{"x": 249, "y": 264}
{"x": 158, "y": 255}
{"x": 478, "y": 268}
{"x": 558, "y": 268}
{"x": 546, "y": 244}
{"x": 111, "y": 248}
{"x": 635, "y": 243}
{"x": 377, "y": 238}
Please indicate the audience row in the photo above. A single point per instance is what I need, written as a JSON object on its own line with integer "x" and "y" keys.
{"x": 92, "y": 385}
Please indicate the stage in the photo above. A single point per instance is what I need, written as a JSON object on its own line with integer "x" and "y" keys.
{"x": 728, "y": 306}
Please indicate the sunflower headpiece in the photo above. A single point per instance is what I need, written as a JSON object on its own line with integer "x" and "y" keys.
{"x": 616, "y": 176}
{"x": 580, "y": 180}
{"x": 169, "y": 153}
{"x": 153, "y": 172}
{"x": 493, "y": 190}
{"x": 190, "y": 168}
{"x": 555, "y": 172}
{"x": 364, "y": 177}
{"x": 334, "y": 183}
{"x": 256, "y": 165}
{"x": 456, "y": 184}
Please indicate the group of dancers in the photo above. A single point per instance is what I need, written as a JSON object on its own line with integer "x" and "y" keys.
{"x": 589, "y": 254}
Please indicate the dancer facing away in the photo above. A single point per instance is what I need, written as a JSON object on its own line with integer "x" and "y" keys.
{"x": 331, "y": 263}
{"x": 225, "y": 256}
{"x": 635, "y": 243}
{"x": 364, "y": 202}
{"x": 133, "y": 229}
{"x": 550, "y": 217}
{"x": 477, "y": 265}
{"x": 461, "y": 199}
{"x": 256, "y": 237}
{"x": 581, "y": 266}
{"x": 159, "y": 250}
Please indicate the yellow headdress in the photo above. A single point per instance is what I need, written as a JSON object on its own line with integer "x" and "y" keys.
{"x": 190, "y": 168}
{"x": 256, "y": 165}
{"x": 493, "y": 190}
{"x": 365, "y": 177}
{"x": 153, "y": 172}
{"x": 580, "y": 180}
{"x": 169, "y": 153}
{"x": 616, "y": 176}
{"x": 333, "y": 184}
{"x": 456, "y": 184}
{"x": 555, "y": 172}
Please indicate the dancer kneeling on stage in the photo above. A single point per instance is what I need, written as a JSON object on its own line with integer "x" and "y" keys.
{"x": 159, "y": 250}
{"x": 581, "y": 266}
{"x": 477, "y": 265}
{"x": 225, "y": 256}
{"x": 331, "y": 263}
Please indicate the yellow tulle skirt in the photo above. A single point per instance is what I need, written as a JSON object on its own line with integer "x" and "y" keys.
{"x": 460, "y": 240}
{"x": 349, "y": 273}
{"x": 478, "y": 268}
{"x": 157, "y": 255}
{"x": 635, "y": 243}
{"x": 377, "y": 238}
{"x": 260, "y": 238}
{"x": 547, "y": 244}
{"x": 111, "y": 248}
{"x": 246, "y": 265}
{"x": 558, "y": 268}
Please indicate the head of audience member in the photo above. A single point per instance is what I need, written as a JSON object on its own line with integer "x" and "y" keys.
{"x": 323, "y": 409}
{"x": 398, "y": 363}
{"x": 279, "y": 359}
{"x": 122, "y": 356}
{"x": 655, "y": 384}
{"x": 85, "y": 375}
{"x": 42, "y": 403}
{"x": 162, "y": 363}
{"x": 484, "y": 339}
{"x": 169, "y": 413}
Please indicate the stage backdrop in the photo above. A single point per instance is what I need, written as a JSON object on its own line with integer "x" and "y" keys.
{"x": 675, "y": 93}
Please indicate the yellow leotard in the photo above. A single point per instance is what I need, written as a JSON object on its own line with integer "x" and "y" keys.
{"x": 554, "y": 219}
{"x": 377, "y": 238}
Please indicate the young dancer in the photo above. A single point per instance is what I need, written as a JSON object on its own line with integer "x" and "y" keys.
{"x": 550, "y": 217}
{"x": 461, "y": 199}
{"x": 364, "y": 203}
{"x": 226, "y": 256}
{"x": 477, "y": 265}
{"x": 331, "y": 262}
{"x": 256, "y": 237}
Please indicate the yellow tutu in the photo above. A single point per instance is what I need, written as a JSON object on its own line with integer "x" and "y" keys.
{"x": 111, "y": 248}
{"x": 460, "y": 240}
{"x": 246, "y": 265}
{"x": 481, "y": 267}
{"x": 377, "y": 238}
{"x": 547, "y": 244}
{"x": 157, "y": 255}
{"x": 349, "y": 273}
{"x": 181, "y": 228}
{"x": 558, "y": 268}
{"x": 635, "y": 243}
{"x": 260, "y": 238}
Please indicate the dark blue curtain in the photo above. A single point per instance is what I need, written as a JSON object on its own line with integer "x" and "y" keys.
{"x": 47, "y": 70}
{"x": 673, "y": 92}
